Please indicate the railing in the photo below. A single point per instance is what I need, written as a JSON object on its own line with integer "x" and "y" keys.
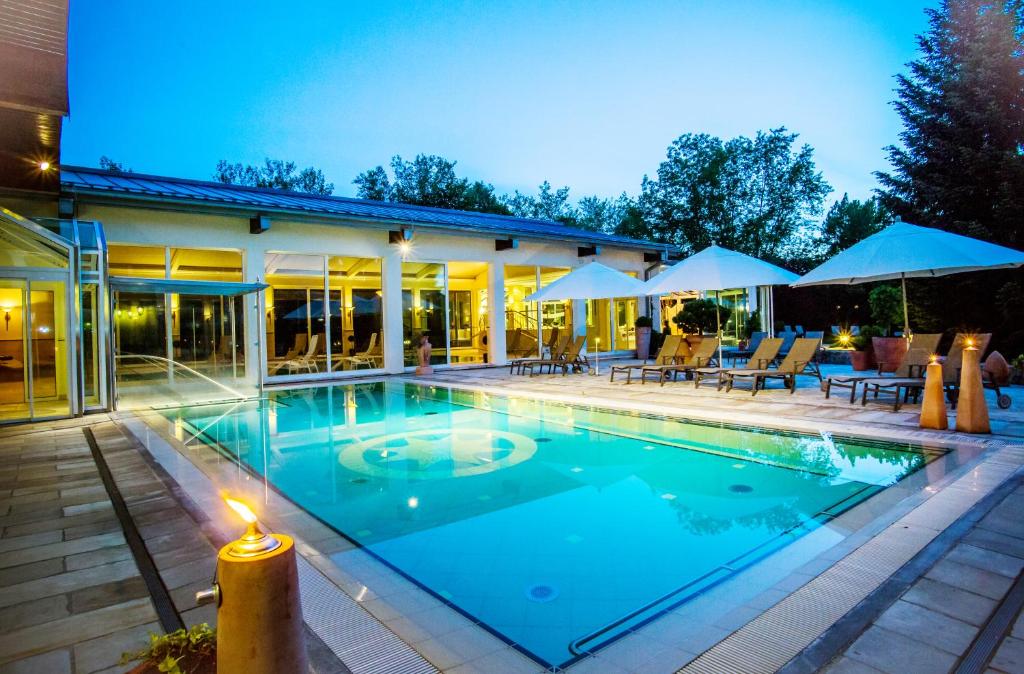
{"x": 172, "y": 369}
{"x": 520, "y": 319}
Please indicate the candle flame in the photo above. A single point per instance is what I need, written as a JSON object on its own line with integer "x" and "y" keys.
{"x": 934, "y": 358}
{"x": 243, "y": 510}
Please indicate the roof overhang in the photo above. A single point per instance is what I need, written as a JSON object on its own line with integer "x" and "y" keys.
{"x": 130, "y": 284}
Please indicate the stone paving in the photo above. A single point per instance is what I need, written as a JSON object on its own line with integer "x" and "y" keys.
{"x": 931, "y": 626}
{"x": 71, "y": 596}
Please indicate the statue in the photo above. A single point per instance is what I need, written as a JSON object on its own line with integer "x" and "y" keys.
{"x": 424, "y": 355}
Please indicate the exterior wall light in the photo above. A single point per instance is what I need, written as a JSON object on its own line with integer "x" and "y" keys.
{"x": 45, "y": 165}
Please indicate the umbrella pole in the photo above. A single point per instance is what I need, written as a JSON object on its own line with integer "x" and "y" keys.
{"x": 906, "y": 316}
{"x": 718, "y": 326}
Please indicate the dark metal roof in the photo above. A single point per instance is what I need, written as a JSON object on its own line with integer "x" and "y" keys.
{"x": 95, "y": 182}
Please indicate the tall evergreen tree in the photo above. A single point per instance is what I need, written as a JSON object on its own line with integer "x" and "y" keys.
{"x": 961, "y": 163}
{"x": 960, "y": 166}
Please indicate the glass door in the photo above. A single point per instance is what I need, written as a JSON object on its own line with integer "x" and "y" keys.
{"x": 34, "y": 374}
{"x": 14, "y": 393}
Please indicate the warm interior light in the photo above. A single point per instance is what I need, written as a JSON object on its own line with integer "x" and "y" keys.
{"x": 243, "y": 510}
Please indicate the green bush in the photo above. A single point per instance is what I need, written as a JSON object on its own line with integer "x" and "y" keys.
{"x": 643, "y": 322}
{"x": 862, "y": 341}
{"x": 886, "y": 304}
{"x": 753, "y": 324}
{"x": 180, "y": 652}
{"x": 698, "y": 316}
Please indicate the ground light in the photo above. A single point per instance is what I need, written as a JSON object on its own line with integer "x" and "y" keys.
{"x": 259, "y": 617}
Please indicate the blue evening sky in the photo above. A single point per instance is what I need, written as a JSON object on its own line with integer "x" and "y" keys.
{"x": 584, "y": 94}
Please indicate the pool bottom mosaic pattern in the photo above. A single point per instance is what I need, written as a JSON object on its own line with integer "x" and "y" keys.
{"x": 557, "y": 527}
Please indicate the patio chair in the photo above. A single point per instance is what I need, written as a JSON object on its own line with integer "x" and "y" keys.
{"x": 800, "y": 331}
{"x": 306, "y": 362}
{"x": 912, "y": 385}
{"x": 666, "y": 355}
{"x": 912, "y": 365}
{"x": 800, "y": 358}
{"x": 370, "y": 356}
{"x": 702, "y": 355}
{"x": 684, "y": 349}
{"x": 766, "y": 353}
{"x": 745, "y": 354}
{"x": 570, "y": 360}
{"x": 557, "y": 352}
{"x": 788, "y": 337}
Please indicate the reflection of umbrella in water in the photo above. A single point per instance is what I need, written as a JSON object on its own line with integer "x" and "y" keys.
{"x": 315, "y": 309}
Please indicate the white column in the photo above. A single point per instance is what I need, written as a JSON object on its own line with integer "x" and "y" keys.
{"x": 496, "y": 321}
{"x": 391, "y": 291}
{"x": 255, "y": 347}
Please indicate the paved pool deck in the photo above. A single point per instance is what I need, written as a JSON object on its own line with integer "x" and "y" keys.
{"x": 913, "y": 588}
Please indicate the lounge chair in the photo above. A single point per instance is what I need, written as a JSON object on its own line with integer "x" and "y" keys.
{"x": 799, "y": 359}
{"x": 371, "y": 356}
{"x": 665, "y": 356}
{"x": 913, "y": 385}
{"x": 557, "y": 352}
{"x": 571, "y": 359}
{"x": 911, "y": 365}
{"x": 766, "y": 353}
{"x": 307, "y": 361}
{"x": 684, "y": 349}
{"x": 745, "y": 354}
{"x": 702, "y": 355}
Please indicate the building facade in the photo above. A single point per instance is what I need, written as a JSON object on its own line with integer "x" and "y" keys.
{"x": 171, "y": 288}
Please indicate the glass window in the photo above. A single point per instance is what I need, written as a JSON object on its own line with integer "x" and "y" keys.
{"x": 357, "y": 320}
{"x": 13, "y": 361}
{"x": 206, "y": 265}
{"x": 468, "y": 317}
{"x": 598, "y": 327}
{"x": 423, "y": 311}
{"x": 296, "y": 317}
{"x": 520, "y": 315}
{"x": 140, "y": 261}
{"x": 21, "y": 247}
{"x": 556, "y": 316}
{"x": 90, "y": 343}
{"x": 625, "y": 318}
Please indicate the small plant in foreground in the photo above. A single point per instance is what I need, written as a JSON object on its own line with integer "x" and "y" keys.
{"x": 180, "y": 652}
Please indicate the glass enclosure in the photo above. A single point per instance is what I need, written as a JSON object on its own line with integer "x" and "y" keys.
{"x": 468, "y": 315}
{"x": 323, "y": 314}
{"x": 424, "y": 311}
{"x": 520, "y": 315}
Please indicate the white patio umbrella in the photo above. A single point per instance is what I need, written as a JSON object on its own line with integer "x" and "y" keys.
{"x": 902, "y": 251}
{"x": 592, "y": 281}
{"x": 716, "y": 268}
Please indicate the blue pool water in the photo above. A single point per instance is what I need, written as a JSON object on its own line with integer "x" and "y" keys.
{"x": 557, "y": 527}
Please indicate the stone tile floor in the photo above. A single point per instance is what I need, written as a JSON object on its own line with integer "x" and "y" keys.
{"x": 71, "y": 596}
{"x": 931, "y": 626}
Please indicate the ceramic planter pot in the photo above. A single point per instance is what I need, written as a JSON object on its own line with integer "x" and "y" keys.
{"x": 862, "y": 360}
{"x": 643, "y": 343}
{"x": 888, "y": 352}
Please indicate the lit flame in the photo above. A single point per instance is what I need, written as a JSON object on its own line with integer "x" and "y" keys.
{"x": 934, "y": 358}
{"x": 243, "y": 510}
{"x": 969, "y": 342}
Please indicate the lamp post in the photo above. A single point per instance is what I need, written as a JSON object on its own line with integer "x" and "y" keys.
{"x": 259, "y": 617}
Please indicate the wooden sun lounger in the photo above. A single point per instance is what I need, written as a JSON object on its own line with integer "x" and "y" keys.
{"x": 666, "y": 355}
{"x": 912, "y": 365}
{"x": 799, "y": 358}
{"x": 912, "y": 386}
{"x": 557, "y": 352}
{"x": 570, "y": 360}
{"x": 765, "y": 354}
{"x": 703, "y": 355}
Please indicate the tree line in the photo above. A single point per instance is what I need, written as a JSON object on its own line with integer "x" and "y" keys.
{"x": 958, "y": 165}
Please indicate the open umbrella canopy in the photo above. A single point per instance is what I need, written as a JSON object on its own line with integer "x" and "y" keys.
{"x": 592, "y": 281}
{"x": 717, "y": 268}
{"x": 903, "y": 250}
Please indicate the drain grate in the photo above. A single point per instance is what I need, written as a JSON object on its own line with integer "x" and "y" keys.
{"x": 542, "y": 439}
{"x": 740, "y": 488}
{"x": 542, "y": 593}
{"x": 359, "y": 480}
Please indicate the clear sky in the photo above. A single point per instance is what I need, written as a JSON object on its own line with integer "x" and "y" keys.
{"x": 586, "y": 94}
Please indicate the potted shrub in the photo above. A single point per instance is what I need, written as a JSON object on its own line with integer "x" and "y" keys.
{"x": 863, "y": 355}
{"x": 753, "y": 325}
{"x": 886, "y": 304}
{"x": 182, "y": 652}
{"x": 643, "y": 326}
{"x": 698, "y": 317}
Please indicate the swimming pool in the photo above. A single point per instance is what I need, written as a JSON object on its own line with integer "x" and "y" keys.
{"x": 557, "y": 527}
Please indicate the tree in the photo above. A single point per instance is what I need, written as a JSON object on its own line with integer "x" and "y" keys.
{"x": 274, "y": 173}
{"x": 961, "y": 163}
{"x": 698, "y": 316}
{"x": 427, "y": 180}
{"x": 758, "y": 196}
{"x": 886, "y": 304}
{"x": 850, "y": 221}
{"x": 108, "y": 164}
{"x": 549, "y": 204}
